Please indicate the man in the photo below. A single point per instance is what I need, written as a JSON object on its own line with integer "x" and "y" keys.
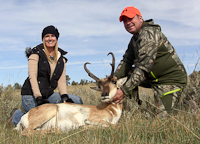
{"x": 150, "y": 61}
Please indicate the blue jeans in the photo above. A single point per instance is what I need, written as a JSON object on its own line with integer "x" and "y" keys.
{"x": 28, "y": 102}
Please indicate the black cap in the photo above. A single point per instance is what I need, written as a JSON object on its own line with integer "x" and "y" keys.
{"x": 50, "y": 30}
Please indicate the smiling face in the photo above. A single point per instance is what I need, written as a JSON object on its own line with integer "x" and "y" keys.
{"x": 50, "y": 40}
{"x": 132, "y": 25}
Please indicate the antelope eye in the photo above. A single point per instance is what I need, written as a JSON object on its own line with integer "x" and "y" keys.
{"x": 99, "y": 87}
{"x": 114, "y": 82}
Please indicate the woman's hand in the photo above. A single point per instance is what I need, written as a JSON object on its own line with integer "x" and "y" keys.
{"x": 40, "y": 101}
{"x": 66, "y": 98}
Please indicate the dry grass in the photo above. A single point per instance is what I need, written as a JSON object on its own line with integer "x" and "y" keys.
{"x": 133, "y": 126}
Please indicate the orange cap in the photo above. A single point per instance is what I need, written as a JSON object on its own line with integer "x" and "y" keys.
{"x": 129, "y": 12}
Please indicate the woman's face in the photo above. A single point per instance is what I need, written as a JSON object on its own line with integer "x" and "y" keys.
{"x": 50, "y": 40}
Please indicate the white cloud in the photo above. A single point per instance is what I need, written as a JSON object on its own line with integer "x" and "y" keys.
{"x": 99, "y": 18}
{"x": 90, "y": 28}
{"x": 14, "y": 67}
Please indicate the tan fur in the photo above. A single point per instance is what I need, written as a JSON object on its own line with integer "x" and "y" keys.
{"x": 101, "y": 112}
{"x": 66, "y": 116}
{"x": 42, "y": 113}
{"x": 38, "y": 116}
{"x": 101, "y": 115}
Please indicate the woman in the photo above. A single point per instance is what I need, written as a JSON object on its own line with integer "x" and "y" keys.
{"x": 46, "y": 66}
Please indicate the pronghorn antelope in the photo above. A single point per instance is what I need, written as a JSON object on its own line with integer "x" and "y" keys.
{"x": 66, "y": 116}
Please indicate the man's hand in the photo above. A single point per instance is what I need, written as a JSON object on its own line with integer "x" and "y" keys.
{"x": 118, "y": 98}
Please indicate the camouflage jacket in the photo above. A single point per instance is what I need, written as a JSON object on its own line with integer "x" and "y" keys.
{"x": 154, "y": 59}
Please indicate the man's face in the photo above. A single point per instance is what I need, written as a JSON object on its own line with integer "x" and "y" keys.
{"x": 132, "y": 25}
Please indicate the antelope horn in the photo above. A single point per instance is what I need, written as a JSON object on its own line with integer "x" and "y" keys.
{"x": 89, "y": 73}
{"x": 113, "y": 64}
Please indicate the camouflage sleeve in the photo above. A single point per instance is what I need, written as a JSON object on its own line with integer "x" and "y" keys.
{"x": 148, "y": 42}
{"x": 122, "y": 69}
{"x": 126, "y": 63}
{"x": 134, "y": 80}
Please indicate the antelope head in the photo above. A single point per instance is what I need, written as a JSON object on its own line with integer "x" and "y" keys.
{"x": 108, "y": 85}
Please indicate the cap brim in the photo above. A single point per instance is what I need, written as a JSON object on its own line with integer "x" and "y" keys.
{"x": 129, "y": 15}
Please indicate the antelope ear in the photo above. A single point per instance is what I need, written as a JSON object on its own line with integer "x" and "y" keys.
{"x": 96, "y": 88}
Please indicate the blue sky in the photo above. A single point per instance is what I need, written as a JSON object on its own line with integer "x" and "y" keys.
{"x": 89, "y": 30}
